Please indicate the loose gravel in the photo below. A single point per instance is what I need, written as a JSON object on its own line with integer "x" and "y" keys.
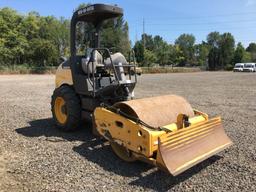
{"x": 35, "y": 156}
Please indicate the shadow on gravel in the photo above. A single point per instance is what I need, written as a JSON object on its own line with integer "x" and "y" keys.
{"x": 99, "y": 151}
{"x": 47, "y": 128}
{"x": 142, "y": 174}
{"x": 93, "y": 148}
{"x": 162, "y": 181}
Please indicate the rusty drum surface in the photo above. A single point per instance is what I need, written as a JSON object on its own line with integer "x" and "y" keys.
{"x": 157, "y": 111}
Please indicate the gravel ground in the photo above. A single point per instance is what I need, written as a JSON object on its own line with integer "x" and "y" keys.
{"x": 34, "y": 156}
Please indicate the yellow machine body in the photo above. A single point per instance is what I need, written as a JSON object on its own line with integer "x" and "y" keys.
{"x": 164, "y": 131}
{"x": 173, "y": 147}
{"x": 63, "y": 76}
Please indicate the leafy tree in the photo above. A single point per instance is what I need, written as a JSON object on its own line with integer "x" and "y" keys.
{"x": 247, "y": 57}
{"x": 149, "y": 58}
{"x": 227, "y": 47}
{"x": 252, "y": 50}
{"x": 149, "y": 41}
{"x": 44, "y": 52}
{"x": 31, "y": 38}
{"x": 139, "y": 47}
{"x": 139, "y": 51}
{"x": 163, "y": 54}
{"x": 161, "y": 50}
{"x": 176, "y": 55}
{"x": 239, "y": 53}
{"x": 221, "y": 50}
{"x": 11, "y": 20}
{"x": 186, "y": 43}
{"x": 115, "y": 35}
{"x": 57, "y": 31}
{"x": 251, "y": 47}
{"x": 213, "y": 58}
{"x": 213, "y": 39}
{"x": 125, "y": 44}
{"x": 202, "y": 52}
{"x": 30, "y": 26}
{"x": 158, "y": 43}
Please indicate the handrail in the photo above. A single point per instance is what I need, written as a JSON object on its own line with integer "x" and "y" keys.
{"x": 112, "y": 64}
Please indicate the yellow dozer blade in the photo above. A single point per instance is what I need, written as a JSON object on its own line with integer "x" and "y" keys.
{"x": 180, "y": 150}
{"x": 164, "y": 131}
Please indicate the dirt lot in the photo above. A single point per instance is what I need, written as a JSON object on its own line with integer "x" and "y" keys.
{"x": 34, "y": 156}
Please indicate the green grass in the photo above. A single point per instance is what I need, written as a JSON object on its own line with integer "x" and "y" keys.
{"x": 25, "y": 69}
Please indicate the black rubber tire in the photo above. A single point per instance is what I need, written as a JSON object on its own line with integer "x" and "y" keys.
{"x": 73, "y": 108}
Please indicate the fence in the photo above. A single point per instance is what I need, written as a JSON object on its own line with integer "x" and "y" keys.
{"x": 170, "y": 69}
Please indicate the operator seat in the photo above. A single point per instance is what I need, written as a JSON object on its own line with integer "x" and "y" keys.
{"x": 89, "y": 67}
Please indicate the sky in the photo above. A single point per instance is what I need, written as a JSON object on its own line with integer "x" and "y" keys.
{"x": 167, "y": 18}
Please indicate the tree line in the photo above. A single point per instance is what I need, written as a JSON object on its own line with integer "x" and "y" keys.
{"x": 36, "y": 40}
{"x": 32, "y": 39}
{"x": 219, "y": 51}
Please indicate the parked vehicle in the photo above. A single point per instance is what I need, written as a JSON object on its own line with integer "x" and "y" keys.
{"x": 238, "y": 67}
{"x": 249, "y": 67}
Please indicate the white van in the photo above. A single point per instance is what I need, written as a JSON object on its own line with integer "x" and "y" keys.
{"x": 238, "y": 67}
{"x": 249, "y": 67}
